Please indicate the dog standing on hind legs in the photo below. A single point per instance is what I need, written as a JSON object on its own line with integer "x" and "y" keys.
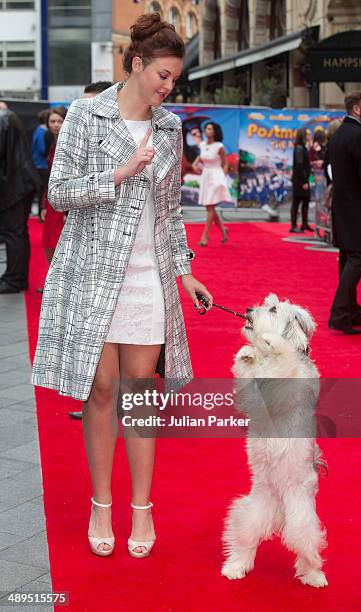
{"x": 277, "y": 386}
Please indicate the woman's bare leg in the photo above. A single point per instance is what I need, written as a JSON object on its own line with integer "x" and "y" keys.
{"x": 100, "y": 429}
{"x": 211, "y": 215}
{"x": 219, "y": 223}
{"x": 139, "y": 362}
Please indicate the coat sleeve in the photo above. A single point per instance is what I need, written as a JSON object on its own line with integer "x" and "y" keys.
{"x": 356, "y": 153}
{"x": 182, "y": 254}
{"x": 70, "y": 185}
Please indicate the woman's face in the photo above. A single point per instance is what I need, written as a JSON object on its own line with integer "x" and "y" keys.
{"x": 55, "y": 123}
{"x": 209, "y": 131}
{"x": 157, "y": 79}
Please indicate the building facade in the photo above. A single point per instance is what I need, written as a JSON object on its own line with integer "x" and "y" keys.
{"x": 79, "y": 47}
{"x": 263, "y": 48}
{"x": 51, "y": 49}
{"x": 183, "y": 14}
{"x": 20, "y": 49}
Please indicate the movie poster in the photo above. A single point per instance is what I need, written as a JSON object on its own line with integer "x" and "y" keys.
{"x": 266, "y": 140}
{"x": 259, "y": 149}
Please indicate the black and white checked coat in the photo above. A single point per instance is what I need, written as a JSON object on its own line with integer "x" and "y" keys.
{"x": 89, "y": 264}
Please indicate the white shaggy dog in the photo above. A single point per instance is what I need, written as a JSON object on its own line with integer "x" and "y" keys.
{"x": 277, "y": 387}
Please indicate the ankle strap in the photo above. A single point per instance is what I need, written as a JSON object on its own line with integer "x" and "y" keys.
{"x": 101, "y": 505}
{"x": 150, "y": 505}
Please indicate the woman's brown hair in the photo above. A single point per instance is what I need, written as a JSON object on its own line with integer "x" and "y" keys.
{"x": 151, "y": 37}
{"x": 300, "y": 137}
{"x": 58, "y": 110}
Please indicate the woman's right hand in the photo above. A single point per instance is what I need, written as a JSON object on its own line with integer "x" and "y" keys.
{"x": 141, "y": 158}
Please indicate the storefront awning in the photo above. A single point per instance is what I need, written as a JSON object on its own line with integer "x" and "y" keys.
{"x": 249, "y": 56}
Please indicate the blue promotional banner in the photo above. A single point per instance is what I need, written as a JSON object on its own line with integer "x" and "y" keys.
{"x": 259, "y": 149}
{"x": 266, "y": 142}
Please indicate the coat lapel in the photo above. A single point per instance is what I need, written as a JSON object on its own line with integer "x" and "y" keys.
{"x": 119, "y": 143}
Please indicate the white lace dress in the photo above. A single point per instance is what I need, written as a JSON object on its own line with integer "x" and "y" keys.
{"x": 139, "y": 316}
{"x": 213, "y": 186}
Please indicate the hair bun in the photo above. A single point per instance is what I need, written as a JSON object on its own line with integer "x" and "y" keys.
{"x": 146, "y": 26}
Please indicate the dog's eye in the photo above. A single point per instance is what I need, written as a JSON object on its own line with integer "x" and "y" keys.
{"x": 273, "y": 309}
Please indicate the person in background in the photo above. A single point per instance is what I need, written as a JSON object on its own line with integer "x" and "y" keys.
{"x": 300, "y": 182}
{"x": 53, "y": 220}
{"x": 40, "y": 153}
{"x": 318, "y": 149}
{"x": 3, "y": 106}
{"x": 309, "y": 139}
{"x": 317, "y": 159}
{"x": 212, "y": 165}
{"x": 345, "y": 156}
{"x": 333, "y": 126}
{"x": 93, "y": 89}
{"x": 18, "y": 182}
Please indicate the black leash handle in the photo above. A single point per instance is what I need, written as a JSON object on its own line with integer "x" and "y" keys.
{"x": 204, "y": 302}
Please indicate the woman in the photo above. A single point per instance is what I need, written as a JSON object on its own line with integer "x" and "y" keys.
{"x": 39, "y": 153}
{"x": 53, "y": 220}
{"x": 111, "y": 308}
{"x": 213, "y": 183}
{"x": 300, "y": 182}
{"x": 332, "y": 128}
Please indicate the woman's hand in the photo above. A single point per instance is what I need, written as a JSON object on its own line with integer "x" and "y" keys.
{"x": 192, "y": 285}
{"x": 141, "y": 158}
{"x": 42, "y": 215}
{"x": 197, "y": 166}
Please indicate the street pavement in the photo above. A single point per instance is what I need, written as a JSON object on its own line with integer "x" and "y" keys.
{"x": 24, "y": 558}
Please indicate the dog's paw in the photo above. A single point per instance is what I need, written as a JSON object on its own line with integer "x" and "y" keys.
{"x": 247, "y": 354}
{"x": 314, "y": 578}
{"x": 233, "y": 571}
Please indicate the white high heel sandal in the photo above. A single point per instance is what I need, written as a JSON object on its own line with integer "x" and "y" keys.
{"x": 133, "y": 544}
{"x": 94, "y": 542}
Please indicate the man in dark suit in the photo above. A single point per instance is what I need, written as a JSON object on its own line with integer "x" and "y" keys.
{"x": 18, "y": 182}
{"x": 345, "y": 157}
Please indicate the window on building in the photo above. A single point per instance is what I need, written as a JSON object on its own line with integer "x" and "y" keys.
{"x": 17, "y": 54}
{"x": 155, "y": 7}
{"x": 243, "y": 28}
{"x": 13, "y": 5}
{"x": 63, "y": 70}
{"x": 277, "y": 18}
{"x": 70, "y": 37}
{"x": 174, "y": 17}
{"x": 69, "y": 14}
{"x": 191, "y": 25}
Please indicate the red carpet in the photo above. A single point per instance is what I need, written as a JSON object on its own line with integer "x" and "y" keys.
{"x": 196, "y": 479}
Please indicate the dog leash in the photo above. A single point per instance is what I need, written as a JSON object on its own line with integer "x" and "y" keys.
{"x": 204, "y": 302}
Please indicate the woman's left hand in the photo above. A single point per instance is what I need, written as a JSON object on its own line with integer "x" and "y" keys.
{"x": 192, "y": 285}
